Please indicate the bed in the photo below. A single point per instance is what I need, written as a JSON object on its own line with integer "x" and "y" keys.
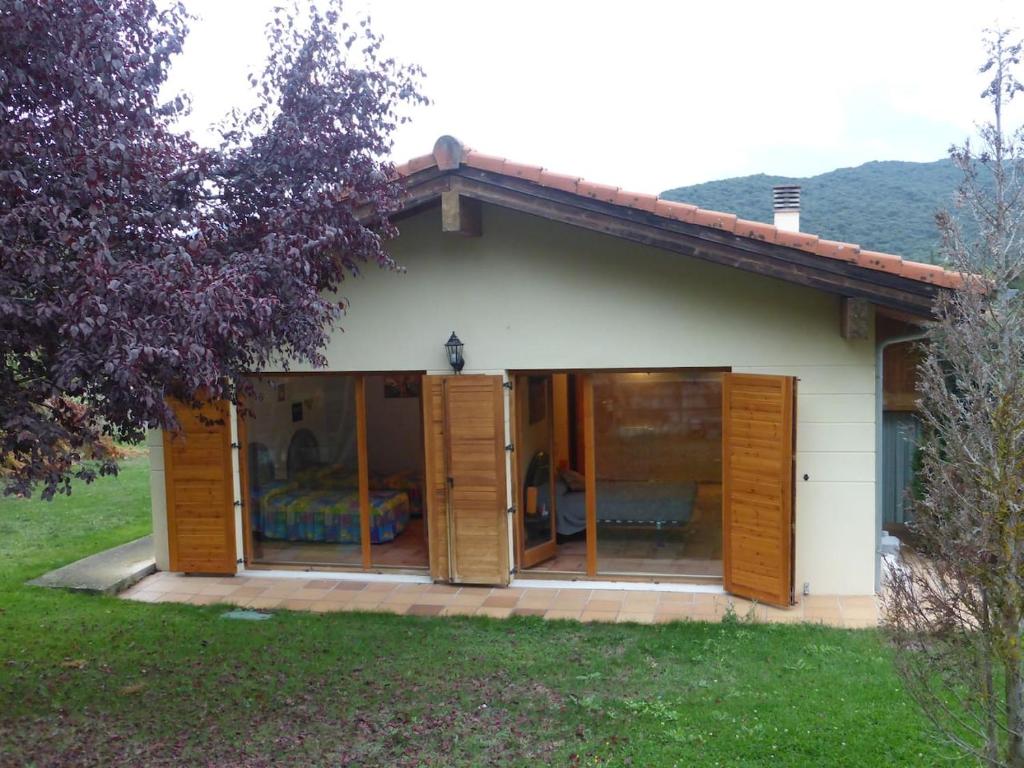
{"x": 320, "y": 502}
{"x": 301, "y": 512}
{"x": 620, "y": 502}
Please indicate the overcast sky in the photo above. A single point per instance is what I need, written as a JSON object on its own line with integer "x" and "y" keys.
{"x": 652, "y": 95}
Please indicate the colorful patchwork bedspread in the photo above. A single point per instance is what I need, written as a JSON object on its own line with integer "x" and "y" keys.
{"x": 291, "y": 512}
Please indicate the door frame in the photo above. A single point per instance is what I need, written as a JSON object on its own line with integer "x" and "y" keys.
{"x": 366, "y": 562}
{"x": 527, "y": 558}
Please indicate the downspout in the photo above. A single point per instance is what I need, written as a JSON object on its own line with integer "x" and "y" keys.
{"x": 880, "y": 442}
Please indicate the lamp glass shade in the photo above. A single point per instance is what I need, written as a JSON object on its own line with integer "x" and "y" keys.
{"x": 454, "y": 349}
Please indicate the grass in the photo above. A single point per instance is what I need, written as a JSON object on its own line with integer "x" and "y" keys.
{"x": 99, "y": 681}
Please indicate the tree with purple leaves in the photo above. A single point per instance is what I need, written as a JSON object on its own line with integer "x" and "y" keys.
{"x": 136, "y": 264}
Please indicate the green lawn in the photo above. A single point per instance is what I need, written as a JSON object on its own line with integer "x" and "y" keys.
{"x": 99, "y": 681}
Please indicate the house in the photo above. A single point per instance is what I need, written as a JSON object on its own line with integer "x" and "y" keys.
{"x": 569, "y": 381}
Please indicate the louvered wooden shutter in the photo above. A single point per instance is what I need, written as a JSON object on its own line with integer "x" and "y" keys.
{"x": 200, "y": 498}
{"x": 475, "y": 455}
{"x": 757, "y": 486}
{"x": 436, "y": 491}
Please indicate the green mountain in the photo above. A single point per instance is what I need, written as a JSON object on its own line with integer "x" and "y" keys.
{"x": 882, "y": 206}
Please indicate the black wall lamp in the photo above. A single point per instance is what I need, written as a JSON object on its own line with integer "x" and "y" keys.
{"x": 454, "y": 349}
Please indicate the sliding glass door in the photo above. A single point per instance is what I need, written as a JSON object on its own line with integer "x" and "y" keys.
{"x": 334, "y": 471}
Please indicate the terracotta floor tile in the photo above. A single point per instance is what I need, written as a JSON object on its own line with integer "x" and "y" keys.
{"x": 350, "y": 586}
{"x": 540, "y": 592}
{"x": 604, "y": 605}
{"x": 562, "y": 613}
{"x": 441, "y": 589}
{"x": 468, "y": 598}
{"x": 245, "y": 592}
{"x": 324, "y": 584}
{"x": 381, "y": 586}
{"x": 338, "y": 596}
{"x": 534, "y": 601}
{"x": 435, "y": 599}
{"x": 528, "y": 611}
{"x": 494, "y": 612}
{"x": 608, "y": 594}
{"x": 501, "y": 601}
{"x": 215, "y": 588}
{"x": 605, "y": 616}
{"x": 677, "y": 598}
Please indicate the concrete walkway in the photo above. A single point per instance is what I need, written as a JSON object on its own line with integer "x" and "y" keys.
{"x": 106, "y": 572}
{"x": 313, "y": 593}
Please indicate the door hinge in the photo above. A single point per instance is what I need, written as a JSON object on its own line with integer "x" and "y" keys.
{"x": 238, "y": 503}
{"x": 510, "y": 447}
{"x": 512, "y": 509}
{"x": 236, "y": 446}
{"x": 507, "y": 385}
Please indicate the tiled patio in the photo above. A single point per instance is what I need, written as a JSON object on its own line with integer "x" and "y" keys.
{"x": 416, "y": 599}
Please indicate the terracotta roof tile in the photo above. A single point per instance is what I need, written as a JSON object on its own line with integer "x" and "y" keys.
{"x": 799, "y": 240}
{"x": 559, "y": 181}
{"x": 931, "y": 273}
{"x": 716, "y": 219}
{"x": 419, "y": 163}
{"x": 835, "y": 250}
{"x": 449, "y": 153}
{"x": 597, "y": 191}
{"x": 523, "y": 171}
{"x": 672, "y": 209}
{"x": 639, "y": 200}
{"x": 485, "y": 162}
{"x": 884, "y": 262}
{"x": 756, "y": 230}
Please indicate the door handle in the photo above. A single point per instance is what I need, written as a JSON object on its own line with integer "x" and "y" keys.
{"x": 451, "y": 481}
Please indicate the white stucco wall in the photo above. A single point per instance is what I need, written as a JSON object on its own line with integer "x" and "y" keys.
{"x": 532, "y": 294}
{"x": 158, "y": 497}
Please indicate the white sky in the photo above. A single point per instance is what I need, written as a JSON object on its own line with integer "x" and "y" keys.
{"x": 652, "y": 95}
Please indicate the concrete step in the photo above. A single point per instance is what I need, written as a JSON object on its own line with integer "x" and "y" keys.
{"x": 106, "y": 572}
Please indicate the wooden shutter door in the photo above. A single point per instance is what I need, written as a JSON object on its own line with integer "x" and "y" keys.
{"x": 758, "y": 417}
{"x": 200, "y": 496}
{"x": 474, "y": 408}
{"x": 436, "y": 480}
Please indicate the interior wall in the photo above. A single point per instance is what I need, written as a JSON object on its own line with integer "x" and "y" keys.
{"x": 394, "y": 427}
{"x": 660, "y": 426}
{"x": 328, "y": 411}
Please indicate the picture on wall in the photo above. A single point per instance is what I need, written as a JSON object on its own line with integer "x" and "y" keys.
{"x": 402, "y": 385}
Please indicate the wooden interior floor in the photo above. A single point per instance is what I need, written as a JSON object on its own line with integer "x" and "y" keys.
{"x": 691, "y": 550}
{"x": 408, "y": 550}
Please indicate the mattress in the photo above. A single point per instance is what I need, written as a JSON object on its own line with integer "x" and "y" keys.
{"x": 328, "y": 514}
{"x": 621, "y": 502}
